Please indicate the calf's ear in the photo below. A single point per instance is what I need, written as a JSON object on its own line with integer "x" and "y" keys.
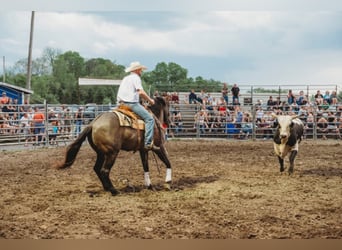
{"x": 294, "y": 116}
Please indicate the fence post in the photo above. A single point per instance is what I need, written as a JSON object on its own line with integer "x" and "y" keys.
{"x": 253, "y": 123}
{"x": 46, "y": 123}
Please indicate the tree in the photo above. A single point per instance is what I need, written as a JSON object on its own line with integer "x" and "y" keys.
{"x": 165, "y": 76}
{"x": 67, "y": 68}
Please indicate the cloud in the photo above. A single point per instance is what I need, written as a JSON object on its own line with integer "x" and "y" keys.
{"x": 242, "y": 46}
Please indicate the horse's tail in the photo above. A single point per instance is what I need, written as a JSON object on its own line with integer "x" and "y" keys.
{"x": 73, "y": 148}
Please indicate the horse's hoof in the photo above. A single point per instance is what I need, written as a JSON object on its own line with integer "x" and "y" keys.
{"x": 167, "y": 186}
{"x": 152, "y": 188}
{"x": 114, "y": 192}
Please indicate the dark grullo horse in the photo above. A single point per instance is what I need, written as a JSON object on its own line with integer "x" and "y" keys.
{"x": 107, "y": 138}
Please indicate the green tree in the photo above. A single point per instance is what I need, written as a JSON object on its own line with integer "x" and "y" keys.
{"x": 67, "y": 68}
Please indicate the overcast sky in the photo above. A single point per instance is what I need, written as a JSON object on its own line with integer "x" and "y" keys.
{"x": 249, "y": 44}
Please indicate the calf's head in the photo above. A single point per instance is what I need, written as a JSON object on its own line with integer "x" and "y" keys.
{"x": 285, "y": 123}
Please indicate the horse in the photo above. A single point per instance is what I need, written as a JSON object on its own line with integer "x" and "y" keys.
{"x": 107, "y": 137}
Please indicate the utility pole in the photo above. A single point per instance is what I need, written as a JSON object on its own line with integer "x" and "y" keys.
{"x": 29, "y": 61}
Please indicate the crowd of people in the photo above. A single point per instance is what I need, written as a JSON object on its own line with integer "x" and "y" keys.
{"x": 321, "y": 114}
{"x": 31, "y": 123}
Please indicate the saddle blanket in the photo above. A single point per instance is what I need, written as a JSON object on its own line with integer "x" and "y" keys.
{"x": 129, "y": 119}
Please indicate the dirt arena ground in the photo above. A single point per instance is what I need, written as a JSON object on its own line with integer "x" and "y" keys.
{"x": 221, "y": 190}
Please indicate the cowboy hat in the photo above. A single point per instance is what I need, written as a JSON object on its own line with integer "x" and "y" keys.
{"x": 134, "y": 66}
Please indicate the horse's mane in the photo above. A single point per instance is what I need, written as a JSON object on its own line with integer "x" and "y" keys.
{"x": 160, "y": 100}
{"x": 160, "y": 103}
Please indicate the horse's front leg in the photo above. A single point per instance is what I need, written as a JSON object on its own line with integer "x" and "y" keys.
{"x": 144, "y": 160}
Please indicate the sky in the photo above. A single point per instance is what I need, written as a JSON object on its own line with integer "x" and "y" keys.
{"x": 245, "y": 42}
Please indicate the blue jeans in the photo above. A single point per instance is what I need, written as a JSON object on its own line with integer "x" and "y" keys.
{"x": 78, "y": 127}
{"x": 148, "y": 119}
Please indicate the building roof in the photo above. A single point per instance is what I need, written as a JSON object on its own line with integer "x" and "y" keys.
{"x": 17, "y": 88}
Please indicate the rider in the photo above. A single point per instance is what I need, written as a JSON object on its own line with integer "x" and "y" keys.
{"x": 129, "y": 92}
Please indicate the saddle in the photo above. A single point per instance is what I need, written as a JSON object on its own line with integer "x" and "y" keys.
{"x": 127, "y": 118}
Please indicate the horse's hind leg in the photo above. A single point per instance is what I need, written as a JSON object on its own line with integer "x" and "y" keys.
{"x": 102, "y": 167}
{"x": 163, "y": 156}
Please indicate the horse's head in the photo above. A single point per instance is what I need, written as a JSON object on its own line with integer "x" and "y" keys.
{"x": 161, "y": 110}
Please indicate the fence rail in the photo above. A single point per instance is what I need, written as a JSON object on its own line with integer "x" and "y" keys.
{"x": 249, "y": 122}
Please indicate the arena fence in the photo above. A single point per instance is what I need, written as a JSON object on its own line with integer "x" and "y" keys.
{"x": 242, "y": 122}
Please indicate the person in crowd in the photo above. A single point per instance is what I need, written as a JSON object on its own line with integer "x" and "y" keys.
{"x": 25, "y": 123}
{"x": 318, "y": 97}
{"x": 5, "y": 126}
{"x": 175, "y": 98}
{"x": 301, "y": 98}
{"x": 38, "y": 125}
{"x": 235, "y": 90}
{"x": 277, "y": 102}
{"x": 325, "y": 105}
{"x": 224, "y": 92}
{"x": 326, "y": 96}
{"x": 259, "y": 114}
{"x": 333, "y": 125}
{"x": 4, "y": 98}
{"x": 322, "y": 127}
{"x": 290, "y": 97}
{"x": 270, "y": 103}
{"x": 192, "y": 97}
{"x": 177, "y": 120}
{"x": 309, "y": 125}
{"x": 79, "y": 121}
{"x": 236, "y": 104}
{"x": 246, "y": 127}
{"x": 222, "y": 105}
{"x": 333, "y": 98}
{"x": 53, "y": 133}
{"x": 201, "y": 121}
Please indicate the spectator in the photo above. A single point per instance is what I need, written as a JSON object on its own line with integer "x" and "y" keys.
{"x": 259, "y": 114}
{"x": 236, "y": 104}
{"x": 235, "y": 93}
{"x": 290, "y": 97}
{"x": 53, "y": 133}
{"x": 324, "y": 105}
{"x": 246, "y": 127}
{"x": 201, "y": 121}
{"x": 301, "y": 98}
{"x": 79, "y": 121}
{"x": 333, "y": 98}
{"x": 192, "y": 97}
{"x": 67, "y": 120}
{"x": 277, "y": 103}
{"x": 175, "y": 98}
{"x": 222, "y": 105}
{"x": 238, "y": 118}
{"x": 4, "y": 99}
{"x": 25, "y": 122}
{"x": 333, "y": 125}
{"x": 322, "y": 127}
{"x": 38, "y": 124}
{"x": 318, "y": 97}
{"x": 309, "y": 124}
{"x": 270, "y": 103}
{"x": 202, "y": 97}
{"x": 327, "y": 96}
{"x": 224, "y": 92}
